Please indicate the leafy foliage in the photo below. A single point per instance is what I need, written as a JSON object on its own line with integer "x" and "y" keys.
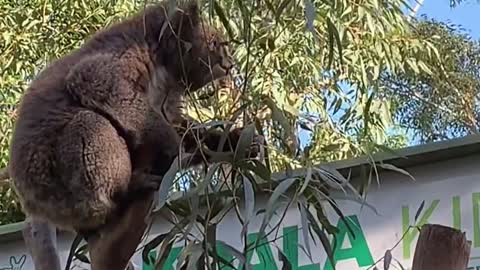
{"x": 439, "y": 105}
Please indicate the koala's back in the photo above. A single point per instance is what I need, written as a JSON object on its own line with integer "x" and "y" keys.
{"x": 67, "y": 162}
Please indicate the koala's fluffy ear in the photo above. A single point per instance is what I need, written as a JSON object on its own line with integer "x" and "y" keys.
{"x": 192, "y": 8}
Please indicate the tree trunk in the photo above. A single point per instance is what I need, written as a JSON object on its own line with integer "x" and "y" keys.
{"x": 441, "y": 248}
{"x": 40, "y": 238}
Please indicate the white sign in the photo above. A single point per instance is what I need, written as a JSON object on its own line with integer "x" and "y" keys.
{"x": 451, "y": 191}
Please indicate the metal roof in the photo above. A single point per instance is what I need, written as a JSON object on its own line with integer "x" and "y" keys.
{"x": 404, "y": 158}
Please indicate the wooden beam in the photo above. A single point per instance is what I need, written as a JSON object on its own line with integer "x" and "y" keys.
{"x": 441, "y": 248}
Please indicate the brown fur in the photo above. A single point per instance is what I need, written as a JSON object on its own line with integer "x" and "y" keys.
{"x": 92, "y": 123}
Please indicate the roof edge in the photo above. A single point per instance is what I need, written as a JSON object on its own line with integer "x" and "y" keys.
{"x": 406, "y": 157}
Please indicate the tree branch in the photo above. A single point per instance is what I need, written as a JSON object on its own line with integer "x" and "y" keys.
{"x": 116, "y": 243}
{"x": 40, "y": 239}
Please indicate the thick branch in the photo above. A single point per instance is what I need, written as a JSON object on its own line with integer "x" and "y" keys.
{"x": 116, "y": 243}
{"x": 40, "y": 239}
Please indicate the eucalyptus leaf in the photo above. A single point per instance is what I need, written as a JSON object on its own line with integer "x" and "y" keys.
{"x": 272, "y": 202}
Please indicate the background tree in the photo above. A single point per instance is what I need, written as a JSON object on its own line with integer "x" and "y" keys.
{"x": 439, "y": 106}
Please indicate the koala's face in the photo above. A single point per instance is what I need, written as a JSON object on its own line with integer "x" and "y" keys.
{"x": 209, "y": 57}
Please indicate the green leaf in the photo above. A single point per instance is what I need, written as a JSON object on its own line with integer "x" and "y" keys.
{"x": 256, "y": 167}
{"x": 323, "y": 238}
{"x": 387, "y": 259}
{"x": 167, "y": 183}
{"x": 419, "y": 210}
{"x": 272, "y": 202}
{"x": 308, "y": 178}
{"x": 280, "y": 8}
{"x": 163, "y": 255}
{"x": 249, "y": 200}
{"x": 151, "y": 245}
{"x": 82, "y": 257}
{"x": 223, "y": 19}
{"x": 342, "y": 217}
{"x": 286, "y": 265}
{"x": 244, "y": 142}
{"x": 331, "y": 42}
{"x": 76, "y": 242}
{"x": 333, "y": 37}
{"x": 235, "y": 253}
{"x": 304, "y": 219}
{"x": 395, "y": 168}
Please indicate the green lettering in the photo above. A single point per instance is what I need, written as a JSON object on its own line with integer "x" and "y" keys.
{"x": 172, "y": 256}
{"x": 222, "y": 253}
{"x": 359, "y": 248}
{"x": 476, "y": 225}
{"x": 290, "y": 249}
{"x": 410, "y": 236}
{"x": 264, "y": 253}
{"x": 457, "y": 219}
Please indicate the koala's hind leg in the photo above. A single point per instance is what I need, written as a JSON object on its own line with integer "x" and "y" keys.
{"x": 94, "y": 164}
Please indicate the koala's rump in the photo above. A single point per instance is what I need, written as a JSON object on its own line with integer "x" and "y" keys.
{"x": 71, "y": 179}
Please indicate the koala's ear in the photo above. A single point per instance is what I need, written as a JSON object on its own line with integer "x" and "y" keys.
{"x": 192, "y": 7}
{"x": 191, "y": 14}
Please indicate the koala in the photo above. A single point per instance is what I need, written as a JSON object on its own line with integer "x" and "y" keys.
{"x": 103, "y": 123}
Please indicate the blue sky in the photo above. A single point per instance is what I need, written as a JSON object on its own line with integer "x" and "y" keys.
{"x": 466, "y": 14}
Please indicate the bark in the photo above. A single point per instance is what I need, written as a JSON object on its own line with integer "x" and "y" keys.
{"x": 116, "y": 243}
{"x": 40, "y": 238}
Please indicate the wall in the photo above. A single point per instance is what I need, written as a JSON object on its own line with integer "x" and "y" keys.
{"x": 450, "y": 189}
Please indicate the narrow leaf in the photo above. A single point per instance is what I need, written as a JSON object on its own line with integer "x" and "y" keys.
{"x": 82, "y": 257}
{"x": 286, "y": 265}
{"x": 78, "y": 239}
{"x": 244, "y": 142}
{"x": 272, "y": 202}
{"x": 323, "y": 238}
{"x": 223, "y": 19}
{"x": 280, "y": 8}
{"x": 151, "y": 245}
{"x": 249, "y": 199}
{"x": 304, "y": 218}
{"x": 395, "y": 168}
{"x": 387, "y": 259}
{"x": 167, "y": 183}
{"x": 235, "y": 253}
{"x": 308, "y": 177}
{"x": 342, "y": 217}
{"x": 419, "y": 210}
{"x": 331, "y": 51}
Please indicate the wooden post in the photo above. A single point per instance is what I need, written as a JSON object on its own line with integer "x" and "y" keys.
{"x": 441, "y": 248}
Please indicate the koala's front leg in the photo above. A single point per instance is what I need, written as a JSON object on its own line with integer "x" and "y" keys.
{"x": 195, "y": 138}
